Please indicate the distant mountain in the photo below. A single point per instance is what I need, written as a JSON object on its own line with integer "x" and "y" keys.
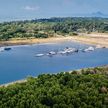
{"x": 93, "y": 14}
{"x": 98, "y": 14}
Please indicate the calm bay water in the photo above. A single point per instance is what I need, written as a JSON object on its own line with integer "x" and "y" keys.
{"x": 20, "y": 62}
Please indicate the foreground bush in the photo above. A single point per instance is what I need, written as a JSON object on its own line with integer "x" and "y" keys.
{"x": 87, "y": 88}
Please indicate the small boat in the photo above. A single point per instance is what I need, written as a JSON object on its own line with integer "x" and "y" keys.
{"x": 62, "y": 52}
{"x": 89, "y": 49}
{"x": 39, "y": 55}
{"x": 51, "y": 53}
{"x": 1, "y": 49}
{"x": 70, "y": 50}
{"x": 7, "y": 49}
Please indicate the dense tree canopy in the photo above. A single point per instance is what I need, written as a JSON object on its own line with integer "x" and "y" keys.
{"x": 87, "y": 88}
{"x": 43, "y": 28}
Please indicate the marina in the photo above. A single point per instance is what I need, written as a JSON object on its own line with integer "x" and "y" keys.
{"x": 21, "y": 61}
{"x": 68, "y": 50}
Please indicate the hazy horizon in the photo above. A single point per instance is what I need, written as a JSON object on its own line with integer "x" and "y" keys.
{"x": 31, "y": 9}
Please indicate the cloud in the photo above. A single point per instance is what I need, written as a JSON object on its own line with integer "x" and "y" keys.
{"x": 31, "y": 8}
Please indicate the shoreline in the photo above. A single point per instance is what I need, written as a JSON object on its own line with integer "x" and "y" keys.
{"x": 25, "y": 79}
{"x": 89, "y": 39}
{"x": 13, "y": 82}
{"x": 34, "y": 41}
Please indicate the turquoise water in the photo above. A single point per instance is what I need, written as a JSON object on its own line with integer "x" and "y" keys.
{"x": 20, "y": 62}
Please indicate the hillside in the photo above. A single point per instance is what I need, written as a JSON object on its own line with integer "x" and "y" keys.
{"x": 44, "y": 28}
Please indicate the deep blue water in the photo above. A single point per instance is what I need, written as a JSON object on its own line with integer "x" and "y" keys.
{"x": 20, "y": 62}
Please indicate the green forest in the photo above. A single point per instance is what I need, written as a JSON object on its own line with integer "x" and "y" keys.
{"x": 86, "y": 88}
{"x": 44, "y": 28}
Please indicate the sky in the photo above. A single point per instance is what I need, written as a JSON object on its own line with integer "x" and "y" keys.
{"x": 31, "y": 9}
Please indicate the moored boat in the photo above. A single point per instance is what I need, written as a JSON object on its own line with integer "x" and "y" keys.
{"x": 1, "y": 49}
{"x": 39, "y": 55}
{"x": 52, "y": 53}
{"x": 62, "y": 52}
{"x": 7, "y": 48}
{"x": 88, "y": 49}
{"x": 70, "y": 50}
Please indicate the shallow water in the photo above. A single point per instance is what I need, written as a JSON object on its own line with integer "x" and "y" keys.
{"x": 20, "y": 62}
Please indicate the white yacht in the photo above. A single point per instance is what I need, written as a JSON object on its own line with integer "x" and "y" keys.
{"x": 88, "y": 49}
{"x": 39, "y": 55}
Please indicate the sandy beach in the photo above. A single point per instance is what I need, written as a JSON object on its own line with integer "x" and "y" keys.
{"x": 14, "y": 82}
{"x": 34, "y": 41}
{"x": 94, "y": 39}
